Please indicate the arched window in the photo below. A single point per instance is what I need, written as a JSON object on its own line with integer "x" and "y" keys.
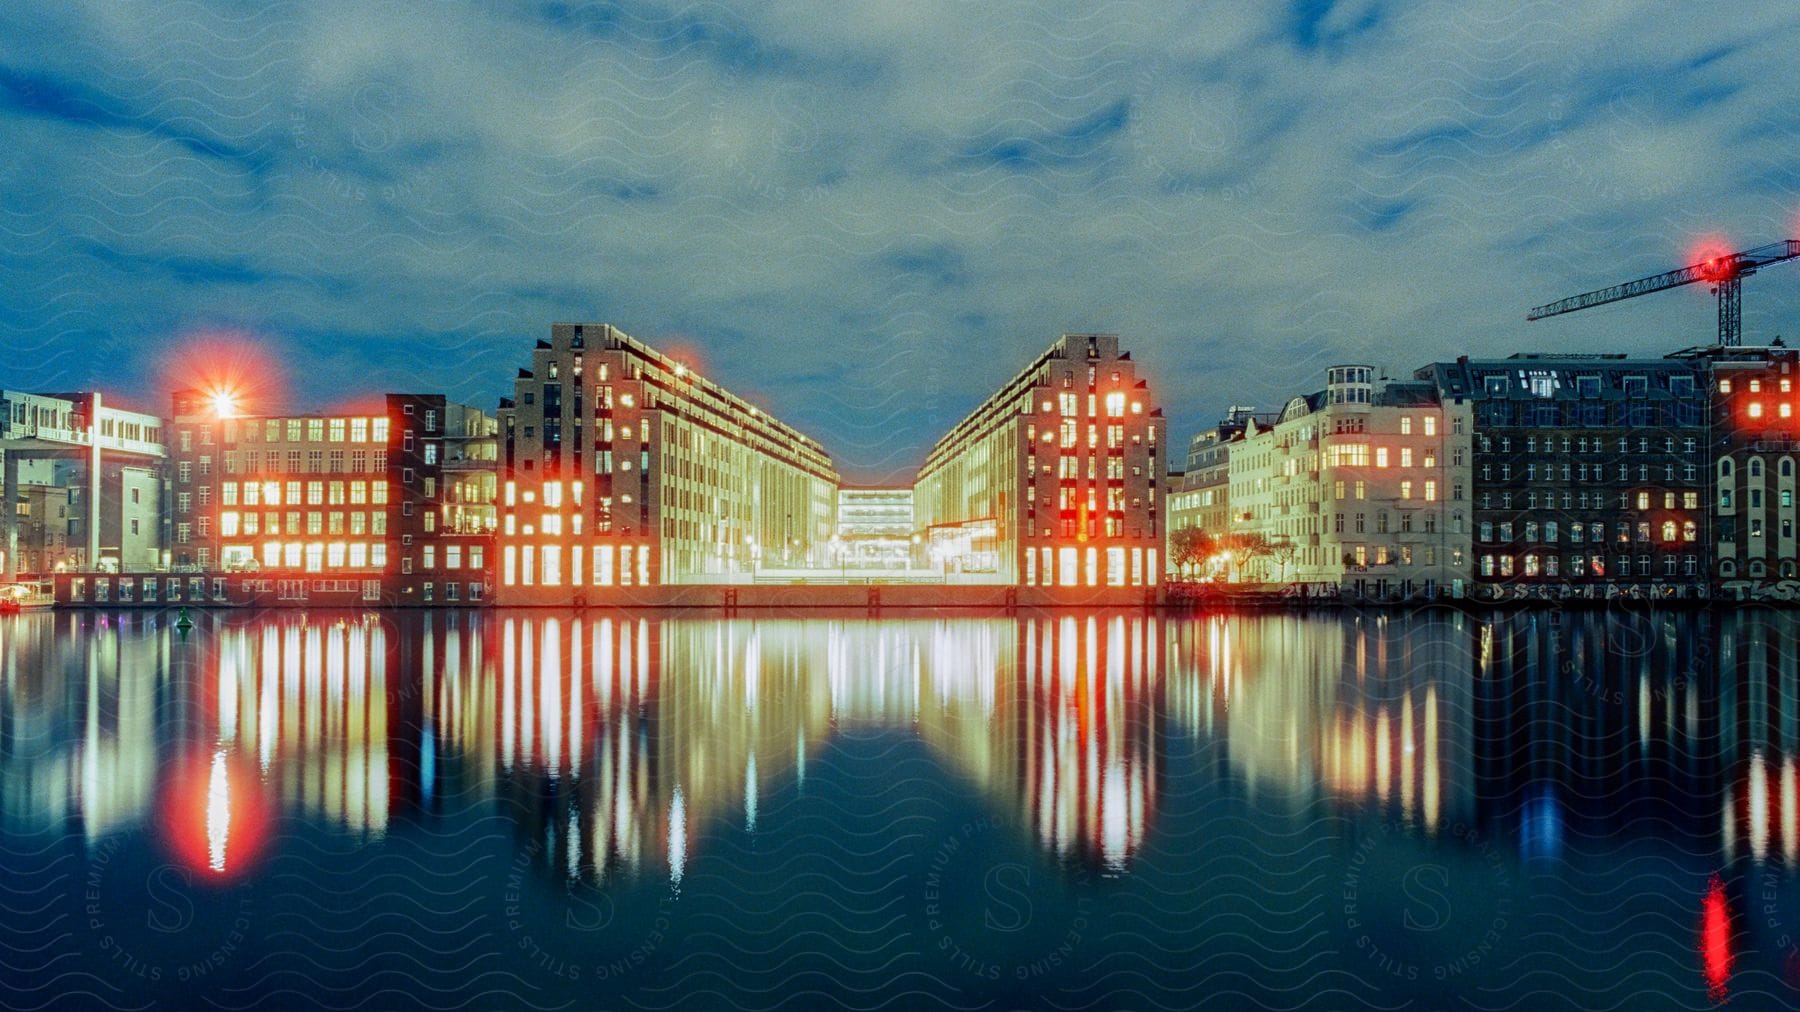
{"x": 1727, "y": 568}
{"x": 1755, "y": 467}
{"x": 1725, "y": 466}
{"x": 1787, "y": 467}
{"x": 1668, "y": 530}
{"x": 1756, "y": 567}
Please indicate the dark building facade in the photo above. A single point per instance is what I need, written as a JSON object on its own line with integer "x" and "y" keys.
{"x": 1755, "y": 441}
{"x": 1588, "y": 474}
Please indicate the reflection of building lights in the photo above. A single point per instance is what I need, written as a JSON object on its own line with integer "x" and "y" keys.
{"x": 218, "y": 812}
{"x": 677, "y": 837}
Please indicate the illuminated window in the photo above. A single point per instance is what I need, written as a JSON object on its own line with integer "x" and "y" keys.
{"x": 1430, "y": 425}
{"x": 1093, "y": 566}
{"x": 359, "y": 430}
{"x": 315, "y": 430}
{"x": 359, "y": 555}
{"x": 1406, "y": 490}
{"x": 624, "y": 565}
{"x": 334, "y": 554}
{"x": 315, "y": 557}
{"x": 380, "y": 432}
{"x": 1755, "y": 409}
{"x": 1066, "y": 560}
{"x": 509, "y": 566}
{"x": 378, "y": 555}
{"x": 1381, "y": 456}
{"x": 603, "y": 565}
{"x": 1431, "y": 491}
{"x": 271, "y": 554}
{"x": 1115, "y": 567}
{"x": 337, "y": 430}
{"x": 528, "y": 565}
{"x": 228, "y": 524}
{"x": 1115, "y": 405}
{"x": 1406, "y": 425}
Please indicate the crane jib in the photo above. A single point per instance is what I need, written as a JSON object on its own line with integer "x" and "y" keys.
{"x": 1724, "y": 272}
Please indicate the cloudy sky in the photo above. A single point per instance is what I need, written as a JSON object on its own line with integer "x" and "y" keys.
{"x": 867, "y": 215}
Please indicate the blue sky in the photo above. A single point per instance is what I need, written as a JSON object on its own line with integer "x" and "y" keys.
{"x": 868, "y": 215}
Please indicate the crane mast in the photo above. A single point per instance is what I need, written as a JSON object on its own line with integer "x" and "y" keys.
{"x": 1725, "y": 273}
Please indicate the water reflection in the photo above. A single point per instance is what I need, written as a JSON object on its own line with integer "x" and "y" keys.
{"x": 620, "y": 742}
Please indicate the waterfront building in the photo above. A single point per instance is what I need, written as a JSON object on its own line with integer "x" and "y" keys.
{"x": 1588, "y": 473}
{"x": 1201, "y": 498}
{"x": 103, "y": 464}
{"x": 1755, "y": 439}
{"x": 348, "y": 505}
{"x": 1056, "y": 480}
{"x": 875, "y": 528}
{"x": 623, "y": 467}
{"x": 1353, "y": 490}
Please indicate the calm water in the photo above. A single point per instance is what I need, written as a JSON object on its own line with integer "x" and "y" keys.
{"x": 1516, "y": 811}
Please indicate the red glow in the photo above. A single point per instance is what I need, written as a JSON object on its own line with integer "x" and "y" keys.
{"x": 1712, "y": 253}
{"x": 232, "y": 364}
{"x": 214, "y": 815}
{"x": 1715, "y": 940}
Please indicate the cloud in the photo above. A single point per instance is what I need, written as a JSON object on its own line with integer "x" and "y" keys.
{"x": 869, "y": 215}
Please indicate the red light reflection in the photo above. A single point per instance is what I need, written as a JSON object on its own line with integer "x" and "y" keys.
{"x": 214, "y": 815}
{"x": 1715, "y": 940}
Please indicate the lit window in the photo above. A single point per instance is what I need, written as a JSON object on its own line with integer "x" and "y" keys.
{"x": 1755, "y": 409}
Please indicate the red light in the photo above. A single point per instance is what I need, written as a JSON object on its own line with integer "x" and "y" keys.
{"x": 1713, "y": 255}
{"x": 1715, "y": 940}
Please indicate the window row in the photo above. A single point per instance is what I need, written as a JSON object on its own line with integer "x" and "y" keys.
{"x": 1534, "y": 564}
{"x": 1593, "y": 532}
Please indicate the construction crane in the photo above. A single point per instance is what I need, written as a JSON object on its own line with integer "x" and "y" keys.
{"x": 1725, "y": 273}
